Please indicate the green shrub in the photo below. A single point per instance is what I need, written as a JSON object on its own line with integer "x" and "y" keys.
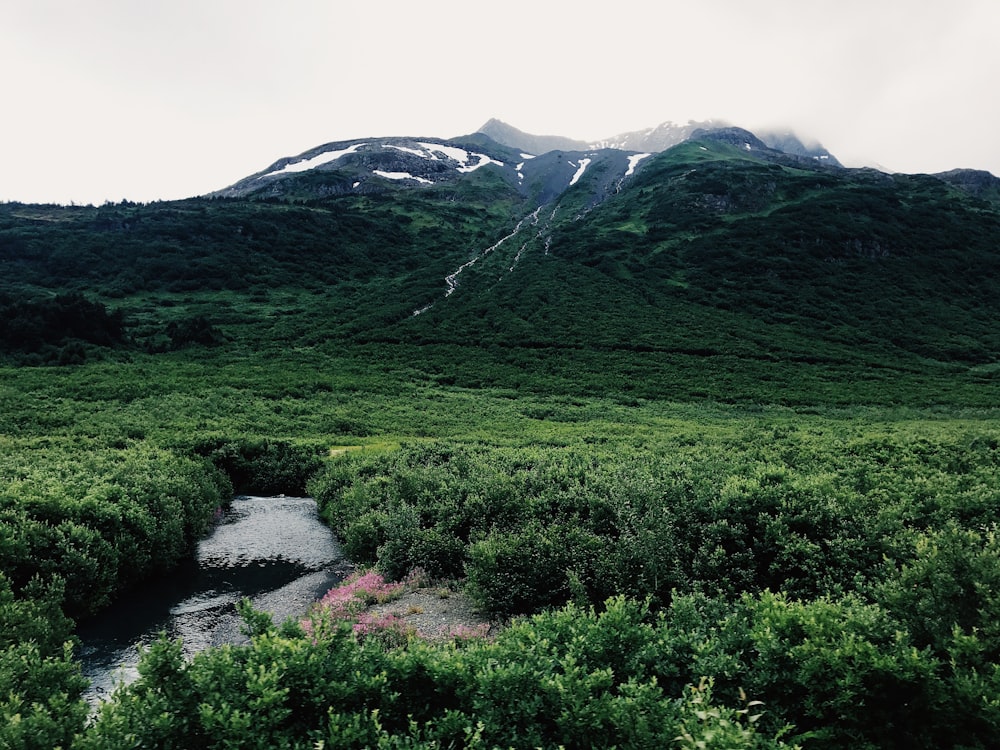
{"x": 706, "y": 726}
{"x": 951, "y": 583}
{"x": 843, "y": 672}
{"x": 40, "y": 684}
{"x": 362, "y": 539}
{"x": 264, "y": 467}
{"x": 531, "y": 569}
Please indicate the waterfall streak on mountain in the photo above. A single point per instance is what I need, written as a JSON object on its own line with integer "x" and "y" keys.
{"x": 548, "y": 239}
{"x": 452, "y": 279}
{"x": 517, "y": 257}
{"x": 540, "y": 235}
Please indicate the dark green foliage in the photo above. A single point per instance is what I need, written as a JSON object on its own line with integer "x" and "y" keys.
{"x": 40, "y": 685}
{"x": 845, "y": 671}
{"x": 55, "y": 330}
{"x": 266, "y": 467}
{"x": 197, "y": 330}
{"x": 76, "y": 529}
{"x": 505, "y": 569}
{"x": 833, "y": 516}
{"x": 535, "y": 527}
{"x": 199, "y": 245}
{"x": 826, "y": 673}
{"x": 102, "y": 521}
{"x": 949, "y": 590}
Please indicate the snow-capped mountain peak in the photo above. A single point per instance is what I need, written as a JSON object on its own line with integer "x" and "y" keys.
{"x": 541, "y": 166}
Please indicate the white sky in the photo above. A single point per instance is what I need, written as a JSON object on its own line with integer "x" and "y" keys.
{"x": 159, "y": 99}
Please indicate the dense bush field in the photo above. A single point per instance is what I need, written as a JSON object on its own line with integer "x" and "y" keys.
{"x": 664, "y": 565}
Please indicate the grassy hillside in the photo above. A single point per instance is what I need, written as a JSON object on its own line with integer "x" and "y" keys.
{"x": 709, "y": 273}
{"x": 716, "y": 266}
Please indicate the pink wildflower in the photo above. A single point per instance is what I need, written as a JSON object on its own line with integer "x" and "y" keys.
{"x": 358, "y": 591}
{"x": 348, "y": 601}
{"x": 368, "y": 623}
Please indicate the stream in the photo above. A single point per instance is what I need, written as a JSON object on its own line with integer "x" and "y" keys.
{"x": 274, "y": 551}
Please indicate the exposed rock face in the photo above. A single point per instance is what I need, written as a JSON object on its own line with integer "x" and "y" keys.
{"x": 788, "y": 142}
{"x": 978, "y": 182}
{"x": 508, "y": 135}
{"x": 665, "y": 135}
{"x": 734, "y": 137}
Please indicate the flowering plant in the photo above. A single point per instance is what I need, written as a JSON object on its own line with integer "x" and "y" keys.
{"x": 349, "y": 601}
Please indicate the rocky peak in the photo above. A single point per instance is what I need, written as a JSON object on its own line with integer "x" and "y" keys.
{"x": 734, "y": 137}
{"x": 508, "y": 135}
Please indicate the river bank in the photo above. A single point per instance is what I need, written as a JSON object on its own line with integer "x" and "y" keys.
{"x": 277, "y": 553}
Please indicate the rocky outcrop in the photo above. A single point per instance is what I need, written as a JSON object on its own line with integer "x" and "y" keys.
{"x": 508, "y": 135}
{"x": 977, "y": 182}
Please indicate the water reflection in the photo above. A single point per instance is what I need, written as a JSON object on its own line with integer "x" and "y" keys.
{"x": 275, "y": 551}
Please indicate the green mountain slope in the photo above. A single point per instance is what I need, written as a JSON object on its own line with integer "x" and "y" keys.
{"x": 715, "y": 269}
{"x": 719, "y": 260}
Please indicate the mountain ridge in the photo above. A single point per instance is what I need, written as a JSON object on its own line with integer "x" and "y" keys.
{"x": 366, "y": 165}
{"x": 387, "y": 164}
{"x": 658, "y": 138}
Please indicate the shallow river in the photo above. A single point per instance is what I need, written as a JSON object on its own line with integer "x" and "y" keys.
{"x": 274, "y": 551}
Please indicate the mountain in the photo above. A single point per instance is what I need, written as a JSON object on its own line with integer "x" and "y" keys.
{"x": 536, "y": 167}
{"x": 363, "y": 166}
{"x": 389, "y": 165}
{"x": 510, "y": 136}
{"x": 977, "y": 182}
{"x": 719, "y": 267}
{"x": 659, "y": 138}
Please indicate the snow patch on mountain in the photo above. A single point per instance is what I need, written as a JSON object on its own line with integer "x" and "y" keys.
{"x": 467, "y": 162}
{"x": 633, "y": 160}
{"x": 400, "y": 176}
{"x": 483, "y": 161}
{"x": 452, "y": 152}
{"x": 584, "y": 163}
{"x": 306, "y": 164}
{"x": 462, "y": 156}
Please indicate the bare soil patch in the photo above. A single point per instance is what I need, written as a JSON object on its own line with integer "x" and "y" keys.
{"x": 437, "y": 614}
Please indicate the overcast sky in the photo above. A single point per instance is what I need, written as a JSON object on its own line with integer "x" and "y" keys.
{"x": 146, "y": 100}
